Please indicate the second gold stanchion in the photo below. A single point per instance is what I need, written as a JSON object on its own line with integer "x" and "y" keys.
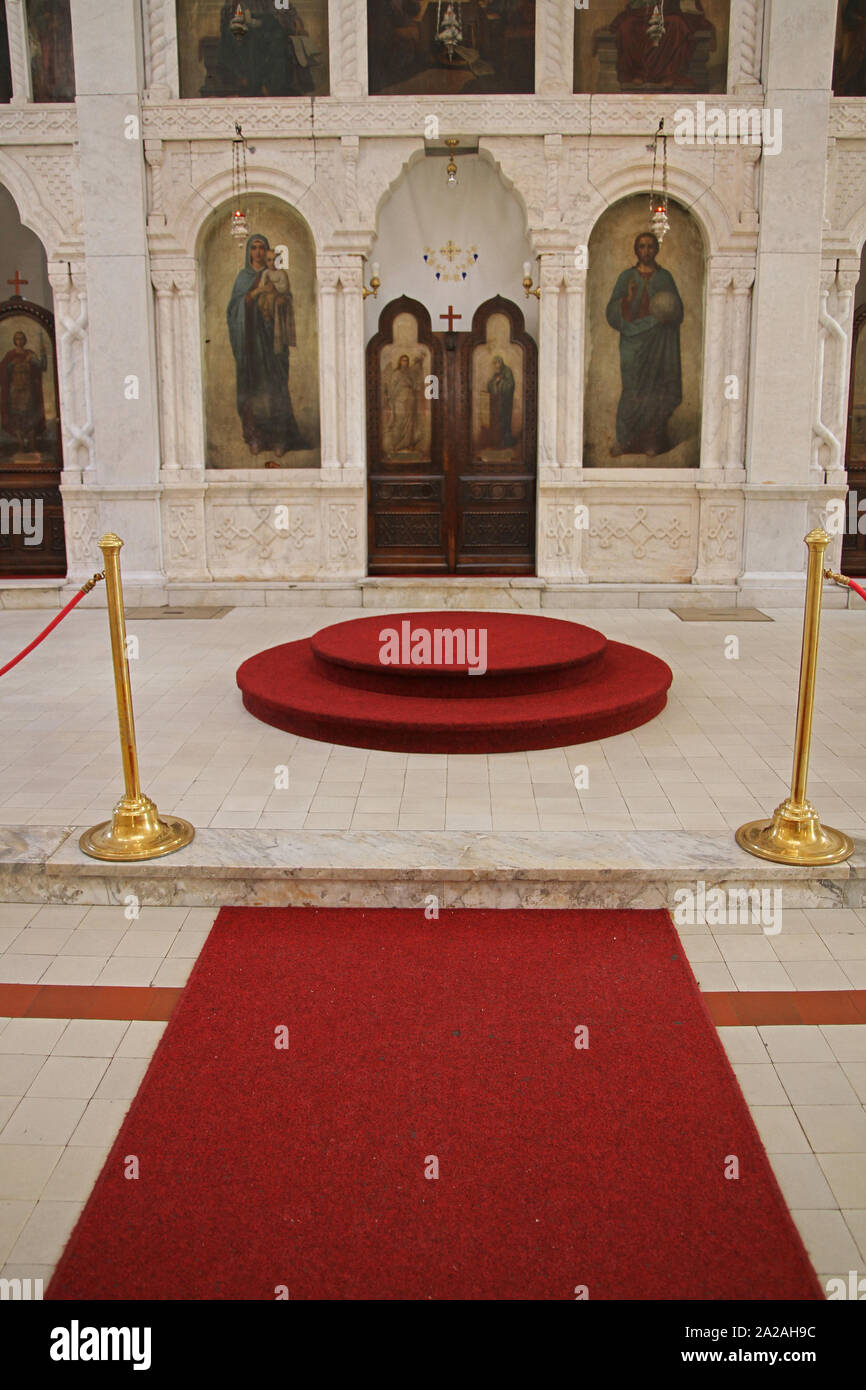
{"x": 794, "y": 834}
{"x": 136, "y": 829}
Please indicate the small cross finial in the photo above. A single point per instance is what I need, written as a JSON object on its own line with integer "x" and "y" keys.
{"x": 17, "y": 282}
{"x": 450, "y": 316}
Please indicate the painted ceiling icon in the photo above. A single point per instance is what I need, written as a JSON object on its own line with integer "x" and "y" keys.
{"x": 451, "y": 263}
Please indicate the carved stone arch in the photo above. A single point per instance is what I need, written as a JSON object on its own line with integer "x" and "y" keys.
{"x": 394, "y": 159}
{"x": 700, "y": 200}
{"x": 403, "y": 155}
{"x": 55, "y": 237}
{"x": 849, "y": 241}
{"x": 193, "y": 214}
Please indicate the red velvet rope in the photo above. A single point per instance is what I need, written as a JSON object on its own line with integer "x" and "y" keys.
{"x": 857, "y": 589}
{"x": 85, "y": 589}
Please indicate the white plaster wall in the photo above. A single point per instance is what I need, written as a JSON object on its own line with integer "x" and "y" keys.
{"x": 421, "y": 211}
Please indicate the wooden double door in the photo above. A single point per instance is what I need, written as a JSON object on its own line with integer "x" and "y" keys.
{"x": 451, "y": 443}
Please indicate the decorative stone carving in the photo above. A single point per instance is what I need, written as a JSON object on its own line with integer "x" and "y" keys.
{"x": 831, "y": 384}
{"x": 554, "y": 42}
{"x": 744, "y": 59}
{"x": 347, "y": 43}
{"x": 160, "y": 48}
{"x": 83, "y": 528}
{"x": 249, "y": 540}
{"x": 181, "y": 533}
{"x": 652, "y": 542}
{"x": 721, "y": 528}
{"x": 343, "y": 534}
{"x": 849, "y": 179}
{"x": 73, "y": 365}
{"x": 19, "y": 52}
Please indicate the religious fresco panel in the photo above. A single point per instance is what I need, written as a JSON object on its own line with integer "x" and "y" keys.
{"x": 404, "y": 363}
{"x": 257, "y": 49}
{"x": 645, "y": 324}
{"x": 5, "y": 66}
{"x": 29, "y": 427}
{"x": 261, "y": 352}
{"x": 497, "y": 394}
{"x": 446, "y": 47}
{"x": 849, "y": 59}
{"x": 642, "y": 46}
{"x": 52, "y": 65}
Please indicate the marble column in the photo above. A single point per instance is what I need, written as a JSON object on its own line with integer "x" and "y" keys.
{"x": 575, "y": 293}
{"x": 741, "y": 310}
{"x": 798, "y": 72}
{"x": 107, "y": 46}
{"x": 550, "y": 280}
{"x": 328, "y": 276}
{"x": 713, "y": 427}
{"x": 163, "y": 284}
{"x": 190, "y": 419}
{"x": 351, "y": 281}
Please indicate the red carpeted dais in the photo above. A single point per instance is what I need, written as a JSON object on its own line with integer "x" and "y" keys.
{"x": 455, "y": 682}
{"x": 502, "y": 1104}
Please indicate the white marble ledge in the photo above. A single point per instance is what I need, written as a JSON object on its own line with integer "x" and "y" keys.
{"x": 371, "y": 856}
{"x": 30, "y": 844}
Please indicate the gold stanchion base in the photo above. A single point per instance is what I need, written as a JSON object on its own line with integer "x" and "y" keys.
{"x": 795, "y": 835}
{"x": 136, "y": 831}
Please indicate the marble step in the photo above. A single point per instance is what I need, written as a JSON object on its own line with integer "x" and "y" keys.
{"x": 557, "y": 869}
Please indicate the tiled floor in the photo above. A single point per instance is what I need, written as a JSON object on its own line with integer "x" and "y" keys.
{"x": 65, "y": 1086}
{"x": 719, "y": 754}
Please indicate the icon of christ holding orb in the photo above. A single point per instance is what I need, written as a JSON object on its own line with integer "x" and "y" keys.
{"x": 646, "y": 310}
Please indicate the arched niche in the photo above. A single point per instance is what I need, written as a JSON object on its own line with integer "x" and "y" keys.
{"x": 459, "y": 246}
{"x": 260, "y": 339}
{"x": 642, "y": 387}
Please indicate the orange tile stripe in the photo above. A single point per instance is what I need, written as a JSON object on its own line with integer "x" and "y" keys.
{"x": 728, "y": 1009}
{"x": 88, "y": 1001}
{"x": 761, "y": 1008}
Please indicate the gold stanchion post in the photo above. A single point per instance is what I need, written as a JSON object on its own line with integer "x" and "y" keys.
{"x": 136, "y": 830}
{"x": 795, "y": 834}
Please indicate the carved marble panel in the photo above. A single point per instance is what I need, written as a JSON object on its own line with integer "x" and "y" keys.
{"x": 653, "y": 541}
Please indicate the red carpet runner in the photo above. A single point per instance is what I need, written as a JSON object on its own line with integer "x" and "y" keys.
{"x": 416, "y": 1043}
{"x": 543, "y": 683}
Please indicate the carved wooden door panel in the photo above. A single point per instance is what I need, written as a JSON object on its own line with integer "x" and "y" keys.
{"x": 451, "y": 479}
{"x": 406, "y": 482}
{"x": 854, "y": 543}
{"x": 495, "y": 462}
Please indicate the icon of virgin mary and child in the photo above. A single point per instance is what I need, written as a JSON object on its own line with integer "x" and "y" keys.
{"x": 261, "y": 324}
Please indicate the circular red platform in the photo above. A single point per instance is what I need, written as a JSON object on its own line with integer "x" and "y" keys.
{"x": 522, "y": 654}
{"x": 375, "y": 683}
